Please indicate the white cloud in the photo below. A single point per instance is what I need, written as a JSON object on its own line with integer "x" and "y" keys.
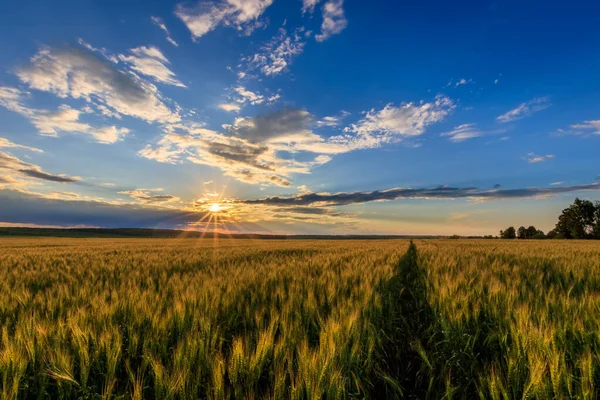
{"x": 206, "y": 16}
{"x": 533, "y": 158}
{"x": 230, "y": 107}
{"x": 109, "y": 134}
{"x": 588, "y": 126}
{"x": 5, "y": 143}
{"x": 460, "y": 82}
{"x": 65, "y": 119}
{"x": 462, "y": 133}
{"x": 74, "y": 72}
{"x": 247, "y": 96}
{"x": 309, "y": 6}
{"x": 334, "y": 21}
{"x": 557, "y": 183}
{"x": 276, "y": 55}
{"x": 406, "y": 120}
{"x": 329, "y": 121}
{"x": 525, "y": 109}
{"x": 161, "y": 24}
{"x": 150, "y": 61}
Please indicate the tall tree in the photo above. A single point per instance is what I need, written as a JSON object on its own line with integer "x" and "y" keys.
{"x": 577, "y": 221}
{"x": 522, "y": 233}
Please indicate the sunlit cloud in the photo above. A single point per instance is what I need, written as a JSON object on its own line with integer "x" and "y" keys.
{"x": 80, "y": 74}
{"x": 151, "y": 62}
{"x": 242, "y": 15}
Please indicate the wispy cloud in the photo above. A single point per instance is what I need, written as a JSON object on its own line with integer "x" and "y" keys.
{"x": 275, "y": 56}
{"x": 439, "y": 193}
{"x": 150, "y": 61}
{"x": 242, "y": 15}
{"x": 586, "y": 127}
{"x": 8, "y": 144}
{"x": 525, "y": 109}
{"x": 161, "y": 24}
{"x": 533, "y": 158}
{"x": 149, "y": 196}
{"x": 460, "y": 82}
{"x": 462, "y": 133}
{"x": 14, "y": 170}
{"x": 334, "y": 20}
{"x": 65, "y": 119}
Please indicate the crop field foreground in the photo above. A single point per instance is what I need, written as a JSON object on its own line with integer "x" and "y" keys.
{"x": 298, "y": 319}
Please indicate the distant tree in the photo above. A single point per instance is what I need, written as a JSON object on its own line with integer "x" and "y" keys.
{"x": 522, "y": 233}
{"x": 508, "y": 233}
{"x": 577, "y": 221}
{"x": 531, "y": 232}
{"x": 539, "y": 235}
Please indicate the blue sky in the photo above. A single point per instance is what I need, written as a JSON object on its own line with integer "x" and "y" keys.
{"x": 298, "y": 116}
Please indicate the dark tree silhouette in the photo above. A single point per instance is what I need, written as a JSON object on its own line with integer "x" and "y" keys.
{"x": 578, "y": 220}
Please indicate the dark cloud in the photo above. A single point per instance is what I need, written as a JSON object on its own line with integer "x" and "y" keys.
{"x": 340, "y": 199}
{"x": 280, "y": 123}
{"x": 32, "y": 173}
{"x": 17, "y": 207}
{"x": 19, "y": 167}
{"x": 497, "y": 186}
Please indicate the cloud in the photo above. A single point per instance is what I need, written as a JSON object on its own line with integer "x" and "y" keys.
{"x": 334, "y": 21}
{"x": 242, "y": 15}
{"x": 150, "y": 61}
{"x": 161, "y": 24}
{"x": 309, "y": 6}
{"x": 439, "y": 193}
{"x": 406, "y": 120}
{"x": 250, "y": 151}
{"x": 256, "y": 150}
{"x": 230, "y": 107}
{"x": 333, "y": 120}
{"x": 557, "y": 183}
{"x": 21, "y": 208}
{"x": 460, "y": 82}
{"x": 8, "y": 144}
{"x": 275, "y": 56}
{"x": 80, "y": 74}
{"x": 147, "y": 196}
{"x": 587, "y": 126}
{"x": 462, "y": 133}
{"x": 65, "y": 119}
{"x": 247, "y": 96}
{"x": 533, "y": 158}
{"x": 13, "y": 170}
{"x": 525, "y": 109}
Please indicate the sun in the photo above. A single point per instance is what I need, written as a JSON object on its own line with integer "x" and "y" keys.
{"x": 215, "y": 208}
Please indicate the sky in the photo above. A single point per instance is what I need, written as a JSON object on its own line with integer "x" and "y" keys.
{"x": 298, "y": 116}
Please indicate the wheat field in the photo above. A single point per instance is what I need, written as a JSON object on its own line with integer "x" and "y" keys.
{"x": 298, "y": 319}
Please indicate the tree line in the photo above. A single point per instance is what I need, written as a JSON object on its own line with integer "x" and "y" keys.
{"x": 581, "y": 220}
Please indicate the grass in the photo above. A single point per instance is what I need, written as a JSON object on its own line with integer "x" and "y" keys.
{"x": 251, "y": 319}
